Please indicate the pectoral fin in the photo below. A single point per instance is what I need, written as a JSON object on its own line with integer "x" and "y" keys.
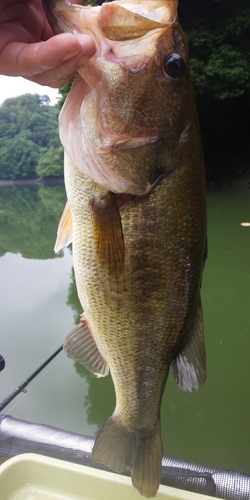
{"x": 80, "y": 345}
{"x": 64, "y": 232}
{"x": 108, "y": 233}
{"x": 189, "y": 367}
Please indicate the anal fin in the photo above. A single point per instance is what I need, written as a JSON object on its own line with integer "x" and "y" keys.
{"x": 189, "y": 367}
{"x": 80, "y": 345}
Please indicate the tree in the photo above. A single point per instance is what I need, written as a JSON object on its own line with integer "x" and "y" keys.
{"x": 220, "y": 47}
{"x": 51, "y": 163}
{"x": 219, "y": 39}
{"x": 29, "y": 138}
{"x": 19, "y": 157}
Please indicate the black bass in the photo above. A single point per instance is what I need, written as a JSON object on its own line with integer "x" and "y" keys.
{"x": 136, "y": 214}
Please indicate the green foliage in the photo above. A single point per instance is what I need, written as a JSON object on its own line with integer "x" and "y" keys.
{"x": 220, "y": 54}
{"x": 29, "y": 138}
{"x": 19, "y": 157}
{"x": 64, "y": 90}
{"x": 51, "y": 162}
{"x": 218, "y": 32}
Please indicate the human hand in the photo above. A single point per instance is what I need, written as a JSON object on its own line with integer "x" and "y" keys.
{"x": 29, "y": 48}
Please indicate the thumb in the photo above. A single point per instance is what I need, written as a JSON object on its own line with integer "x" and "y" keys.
{"x": 27, "y": 60}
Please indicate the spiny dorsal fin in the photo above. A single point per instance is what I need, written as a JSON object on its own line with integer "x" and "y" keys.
{"x": 189, "y": 367}
{"x": 64, "y": 231}
{"x": 108, "y": 233}
{"x": 80, "y": 345}
{"x": 118, "y": 23}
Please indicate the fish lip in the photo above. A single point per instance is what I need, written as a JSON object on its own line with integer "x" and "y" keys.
{"x": 151, "y": 11}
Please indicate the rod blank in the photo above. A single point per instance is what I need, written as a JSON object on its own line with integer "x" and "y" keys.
{"x": 24, "y": 384}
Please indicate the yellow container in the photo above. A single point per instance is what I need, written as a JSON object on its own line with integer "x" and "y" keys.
{"x": 35, "y": 477}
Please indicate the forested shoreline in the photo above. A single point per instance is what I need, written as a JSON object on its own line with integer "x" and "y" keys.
{"x": 218, "y": 32}
{"x": 29, "y": 141}
{"x": 219, "y": 39}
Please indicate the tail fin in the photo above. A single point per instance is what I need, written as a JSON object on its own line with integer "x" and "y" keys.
{"x": 118, "y": 448}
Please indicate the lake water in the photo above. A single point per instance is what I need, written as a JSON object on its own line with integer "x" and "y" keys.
{"x": 39, "y": 306}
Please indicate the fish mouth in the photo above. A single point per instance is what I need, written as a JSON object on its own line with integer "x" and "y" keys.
{"x": 161, "y": 11}
{"x": 116, "y": 21}
{"x": 121, "y": 21}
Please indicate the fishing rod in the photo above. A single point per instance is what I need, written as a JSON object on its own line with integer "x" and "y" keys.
{"x": 24, "y": 384}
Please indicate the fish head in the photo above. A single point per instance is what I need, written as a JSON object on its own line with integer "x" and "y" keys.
{"x": 127, "y": 117}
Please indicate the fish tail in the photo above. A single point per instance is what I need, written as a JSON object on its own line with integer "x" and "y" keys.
{"x": 146, "y": 462}
{"x": 118, "y": 448}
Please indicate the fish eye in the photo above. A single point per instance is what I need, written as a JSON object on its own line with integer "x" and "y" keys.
{"x": 174, "y": 65}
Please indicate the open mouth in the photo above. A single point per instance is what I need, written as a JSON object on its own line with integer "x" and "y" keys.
{"x": 117, "y": 21}
{"x": 121, "y": 21}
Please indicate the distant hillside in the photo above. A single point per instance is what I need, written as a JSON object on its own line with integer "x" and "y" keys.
{"x": 29, "y": 140}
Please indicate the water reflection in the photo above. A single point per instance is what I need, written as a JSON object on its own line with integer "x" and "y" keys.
{"x": 28, "y": 220}
{"x": 100, "y": 400}
{"x": 39, "y": 306}
{"x": 73, "y": 300}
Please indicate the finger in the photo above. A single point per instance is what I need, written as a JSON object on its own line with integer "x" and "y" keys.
{"x": 48, "y": 80}
{"x": 56, "y": 77}
{"x": 64, "y": 52}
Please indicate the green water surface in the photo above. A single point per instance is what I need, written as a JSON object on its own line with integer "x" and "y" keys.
{"x": 39, "y": 306}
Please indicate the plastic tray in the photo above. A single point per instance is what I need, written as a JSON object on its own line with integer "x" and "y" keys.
{"x": 36, "y": 477}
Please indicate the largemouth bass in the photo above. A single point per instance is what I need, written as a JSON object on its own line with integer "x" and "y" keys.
{"x": 136, "y": 214}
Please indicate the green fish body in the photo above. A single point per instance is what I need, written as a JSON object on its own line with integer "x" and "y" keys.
{"x": 136, "y": 214}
